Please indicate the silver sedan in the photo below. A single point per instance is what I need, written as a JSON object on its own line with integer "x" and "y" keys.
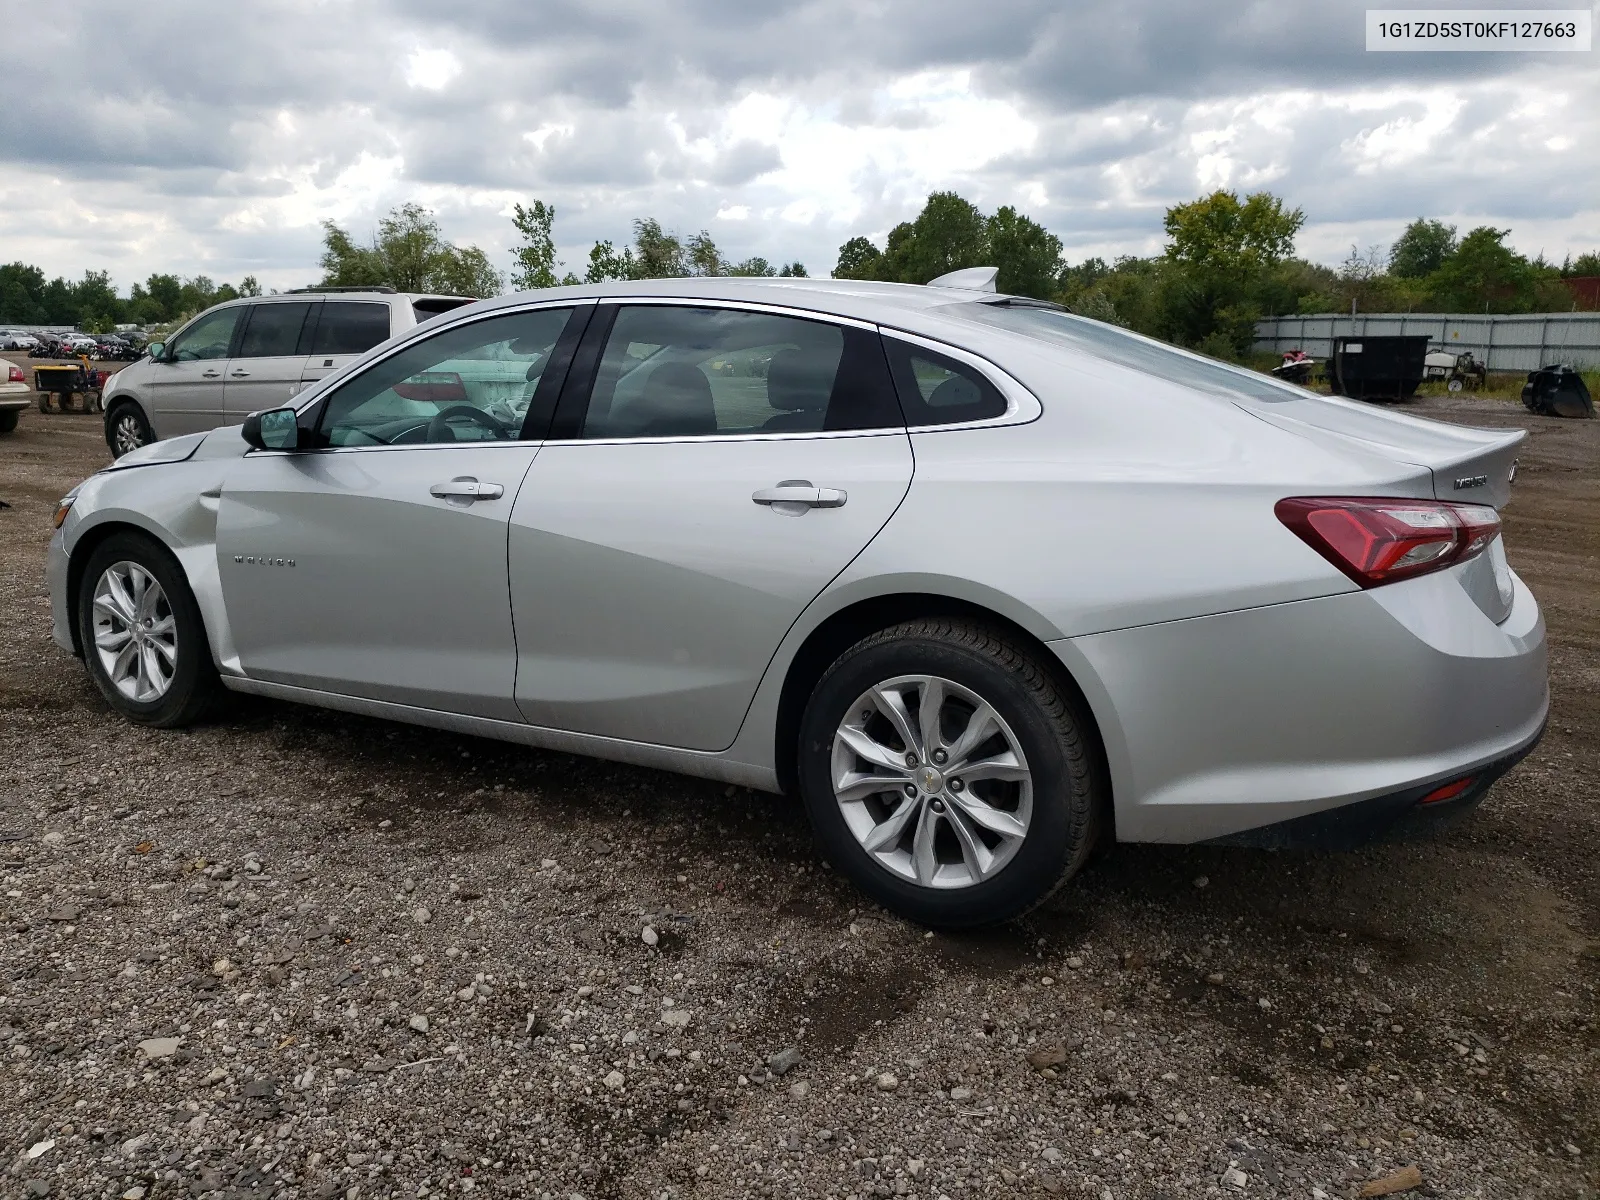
{"x": 980, "y": 581}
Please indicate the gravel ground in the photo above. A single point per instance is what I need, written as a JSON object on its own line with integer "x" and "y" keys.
{"x": 300, "y": 954}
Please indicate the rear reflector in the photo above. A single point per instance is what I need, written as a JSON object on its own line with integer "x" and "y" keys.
{"x": 1449, "y": 791}
{"x": 1376, "y": 540}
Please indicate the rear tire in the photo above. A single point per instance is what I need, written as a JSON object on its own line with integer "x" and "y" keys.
{"x": 974, "y": 868}
{"x": 8, "y": 420}
{"x": 152, "y": 686}
{"x": 127, "y": 428}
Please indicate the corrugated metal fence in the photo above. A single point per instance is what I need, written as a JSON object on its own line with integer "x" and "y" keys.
{"x": 1504, "y": 343}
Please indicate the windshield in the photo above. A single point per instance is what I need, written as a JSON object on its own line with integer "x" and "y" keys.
{"x": 1132, "y": 350}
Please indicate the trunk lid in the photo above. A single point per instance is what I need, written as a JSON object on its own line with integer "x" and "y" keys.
{"x": 1472, "y": 466}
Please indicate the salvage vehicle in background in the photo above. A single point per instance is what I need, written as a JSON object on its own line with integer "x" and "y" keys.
{"x": 982, "y": 581}
{"x": 253, "y": 353}
{"x": 13, "y": 394}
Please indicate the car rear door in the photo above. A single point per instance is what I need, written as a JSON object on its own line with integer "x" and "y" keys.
{"x": 344, "y": 330}
{"x": 267, "y": 368}
{"x": 185, "y": 387}
{"x": 712, "y": 468}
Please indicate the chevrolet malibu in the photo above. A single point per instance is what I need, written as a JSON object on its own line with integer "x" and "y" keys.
{"x": 982, "y": 582}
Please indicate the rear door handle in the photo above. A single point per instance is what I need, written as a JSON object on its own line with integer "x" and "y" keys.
{"x": 466, "y": 491}
{"x": 239, "y": 374}
{"x": 209, "y": 374}
{"x": 800, "y": 491}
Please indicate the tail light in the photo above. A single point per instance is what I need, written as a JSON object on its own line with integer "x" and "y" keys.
{"x": 1377, "y": 540}
{"x": 15, "y": 375}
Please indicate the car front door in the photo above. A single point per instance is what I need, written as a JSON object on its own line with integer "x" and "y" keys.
{"x": 186, "y": 384}
{"x": 373, "y": 562}
{"x": 266, "y": 369}
{"x": 712, "y": 468}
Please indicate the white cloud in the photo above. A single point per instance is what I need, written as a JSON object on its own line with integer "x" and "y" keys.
{"x": 432, "y": 69}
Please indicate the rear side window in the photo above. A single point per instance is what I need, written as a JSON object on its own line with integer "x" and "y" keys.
{"x": 274, "y": 329}
{"x": 937, "y": 390}
{"x": 681, "y": 371}
{"x": 350, "y": 327}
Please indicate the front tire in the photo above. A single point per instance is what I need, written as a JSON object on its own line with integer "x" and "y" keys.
{"x": 948, "y": 774}
{"x": 127, "y": 428}
{"x": 143, "y": 639}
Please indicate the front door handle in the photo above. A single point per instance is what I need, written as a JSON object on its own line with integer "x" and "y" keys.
{"x": 466, "y": 491}
{"x": 801, "y": 491}
{"x": 209, "y": 374}
{"x": 239, "y": 374}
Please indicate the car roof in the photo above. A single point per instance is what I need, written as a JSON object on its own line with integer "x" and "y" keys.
{"x": 865, "y": 301}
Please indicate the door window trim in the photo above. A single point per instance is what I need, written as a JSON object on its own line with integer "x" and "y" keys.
{"x": 308, "y": 409}
{"x": 578, "y": 387}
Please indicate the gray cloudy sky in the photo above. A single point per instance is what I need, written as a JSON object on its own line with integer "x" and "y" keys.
{"x": 206, "y": 137}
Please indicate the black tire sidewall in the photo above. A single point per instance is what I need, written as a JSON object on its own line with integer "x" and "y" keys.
{"x": 1052, "y": 842}
{"x": 194, "y": 671}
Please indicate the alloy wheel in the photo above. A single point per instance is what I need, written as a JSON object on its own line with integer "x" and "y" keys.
{"x": 932, "y": 782}
{"x": 135, "y": 632}
{"x": 126, "y": 434}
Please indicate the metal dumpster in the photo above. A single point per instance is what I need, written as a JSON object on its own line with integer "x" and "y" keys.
{"x": 1377, "y": 368}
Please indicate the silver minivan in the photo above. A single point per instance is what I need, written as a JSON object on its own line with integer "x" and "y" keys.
{"x": 252, "y": 354}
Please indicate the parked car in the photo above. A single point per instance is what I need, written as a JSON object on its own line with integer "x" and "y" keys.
{"x": 16, "y": 339}
{"x": 980, "y": 580}
{"x": 14, "y": 392}
{"x": 253, "y": 353}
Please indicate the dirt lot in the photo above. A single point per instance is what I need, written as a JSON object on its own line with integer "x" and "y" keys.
{"x": 401, "y": 963}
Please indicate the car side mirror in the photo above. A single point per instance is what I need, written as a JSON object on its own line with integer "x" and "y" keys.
{"x": 155, "y": 350}
{"x": 273, "y": 429}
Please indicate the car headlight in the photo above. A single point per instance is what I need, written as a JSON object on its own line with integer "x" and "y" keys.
{"x": 63, "y": 507}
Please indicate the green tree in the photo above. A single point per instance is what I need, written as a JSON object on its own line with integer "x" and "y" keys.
{"x": 1583, "y": 265}
{"x": 536, "y": 257}
{"x": 701, "y": 256}
{"x": 1421, "y": 249}
{"x": 606, "y": 264}
{"x": 408, "y": 253}
{"x": 1220, "y": 255}
{"x": 197, "y": 293}
{"x": 756, "y": 266}
{"x": 249, "y": 287}
{"x": 794, "y": 270}
{"x": 949, "y": 234}
{"x": 21, "y": 294}
{"x": 1482, "y": 275}
{"x": 1027, "y": 254}
{"x": 859, "y": 259}
{"x": 657, "y": 253}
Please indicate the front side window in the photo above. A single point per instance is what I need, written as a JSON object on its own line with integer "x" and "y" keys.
{"x": 935, "y": 389}
{"x": 680, "y": 371}
{"x": 471, "y": 383}
{"x": 209, "y": 337}
{"x": 273, "y": 330}
{"x": 350, "y": 327}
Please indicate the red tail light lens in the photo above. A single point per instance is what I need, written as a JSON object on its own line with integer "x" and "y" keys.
{"x": 16, "y": 376}
{"x": 1377, "y": 540}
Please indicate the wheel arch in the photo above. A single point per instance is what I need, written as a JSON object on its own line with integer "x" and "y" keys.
{"x": 842, "y": 629}
{"x": 84, "y": 546}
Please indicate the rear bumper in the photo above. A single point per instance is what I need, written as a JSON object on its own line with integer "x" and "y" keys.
{"x": 1399, "y": 816}
{"x": 1245, "y": 726}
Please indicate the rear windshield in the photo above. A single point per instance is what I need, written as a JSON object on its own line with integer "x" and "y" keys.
{"x": 1132, "y": 350}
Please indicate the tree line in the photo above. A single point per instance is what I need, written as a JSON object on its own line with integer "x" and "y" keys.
{"x": 92, "y": 303}
{"x": 1227, "y": 262}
